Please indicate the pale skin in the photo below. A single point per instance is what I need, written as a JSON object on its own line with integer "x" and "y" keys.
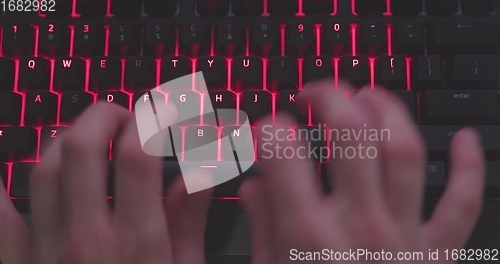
{"x": 72, "y": 222}
{"x": 376, "y": 203}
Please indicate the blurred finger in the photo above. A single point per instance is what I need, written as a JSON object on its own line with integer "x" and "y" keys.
{"x": 46, "y": 204}
{"x": 138, "y": 178}
{"x": 457, "y": 212}
{"x": 139, "y": 211}
{"x": 401, "y": 151}
{"x": 260, "y": 216}
{"x": 85, "y": 165}
{"x": 15, "y": 241}
{"x": 187, "y": 215}
{"x": 356, "y": 175}
{"x": 291, "y": 178}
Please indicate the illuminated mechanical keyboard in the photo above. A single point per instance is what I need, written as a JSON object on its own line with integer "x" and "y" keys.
{"x": 439, "y": 56}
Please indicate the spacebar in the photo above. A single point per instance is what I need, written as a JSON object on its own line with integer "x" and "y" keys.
{"x": 172, "y": 169}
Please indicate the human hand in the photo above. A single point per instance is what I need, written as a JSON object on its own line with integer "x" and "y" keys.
{"x": 376, "y": 203}
{"x": 72, "y": 222}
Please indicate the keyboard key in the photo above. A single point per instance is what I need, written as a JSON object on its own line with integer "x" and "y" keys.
{"x": 73, "y": 103}
{"x": 404, "y": 7}
{"x": 10, "y": 107}
{"x": 441, "y": 7}
{"x": 318, "y": 67}
{"x": 124, "y": 38}
{"x": 475, "y": 71}
{"x": 436, "y": 175}
{"x": 201, "y": 143}
{"x": 126, "y": 8}
{"x": 299, "y": 36}
{"x": 230, "y": 37}
{"x": 409, "y": 100}
{"x": 256, "y": 104}
{"x": 156, "y": 37}
{"x": 186, "y": 103}
{"x": 105, "y": 73}
{"x": 409, "y": 32}
{"x": 7, "y": 69}
{"x": 146, "y": 99}
{"x": 34, "y": 73}
{"x": 462, "y": 107}
{"x": 247, "y": 71}
{"x": 438, "y": 139}
{"x": 193, "y": 37}
{"x": 373, "y": 33}
{"x": 391, "y": 72}
{"x": 69, "y": 73}
{"x": 227, "y": 189}
{"x": 175, "y": 67}
{"x": 222, "y": 100}
{"x": 49, "y": 135}
{"x": 89, "y": 38}
{"x": 370, "y": 7}
{"x": 213, "y": 8}
{"x": 214, "y": 71}
{"x": 157, "y": 33}
{"x": 244, "y": 136}
{"x": 41, "y": 108}
{"x": 118, "y": 98}
{"x": 139, "y": 73}
{"x": 286, "y": 101}
{"x": 17, "y": 39}
{"x": 471, "y": 7}
{"x": 160, "y": 8}
{"x": 283, "y": 72}
{"x": 464, "y": 32}
{"x": 247, "y": 7}
{"x": 282, "y": 7}
{"x": 318, "y": 7}
{"x": 91, "y": 8}
{"x": 264, "y": 36}
{"x": 17, "y": 143}
{"x": 427, "y": 72}
{"x": 53, "y": 38}
{"x": 20, "y": 185}
{"x": 336, "y": 36}
{"x": 355, "y": 69}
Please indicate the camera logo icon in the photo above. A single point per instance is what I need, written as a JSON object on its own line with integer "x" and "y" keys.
{"x": 160, "y": 125}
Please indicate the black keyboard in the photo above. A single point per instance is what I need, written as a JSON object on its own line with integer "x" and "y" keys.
{"x": 439, "y": 56}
